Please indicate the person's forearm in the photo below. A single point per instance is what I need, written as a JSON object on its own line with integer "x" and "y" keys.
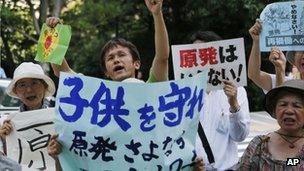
{"x": 280, "y": 76}
{"x": 260, "y": 78}
{"x": 239, "y": 126}
{"x": 160, "y": 61}
{"x": 240, "y": 120}
{"x": 234, "y": 104}
{"x": 57, "y": 165}
{"x": 254, "y": 63}
{"x": 2, "y": 146}
{"x": 64, "y": 67}
{"x": 161, "y": 37}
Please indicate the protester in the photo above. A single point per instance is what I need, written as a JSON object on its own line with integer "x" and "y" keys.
{"x": 263, "y": 79}
{"x": 225, "y": 118}
{"x": 270, "y": 152}
{"x": 31, "y": 86}
{"x": 120, "y": 59}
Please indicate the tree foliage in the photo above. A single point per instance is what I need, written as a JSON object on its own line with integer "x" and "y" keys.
{"x": 94, "y": 22}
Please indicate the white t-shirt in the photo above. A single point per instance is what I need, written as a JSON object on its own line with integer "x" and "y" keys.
{"x": 274, "y": 81}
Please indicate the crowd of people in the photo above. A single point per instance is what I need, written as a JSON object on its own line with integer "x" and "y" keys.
{"x": 223, "y": 126}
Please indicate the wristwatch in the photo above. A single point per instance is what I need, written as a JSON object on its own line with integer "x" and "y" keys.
{"x": 235, "y": 109}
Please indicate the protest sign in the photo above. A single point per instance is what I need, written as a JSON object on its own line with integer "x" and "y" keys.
{"x": 223, "y": 60}
{"x": 27, "y": 144}
{"x": 283, "y": 26}
{"x": 128, "y": 126}
{"x": 53, "y": 43}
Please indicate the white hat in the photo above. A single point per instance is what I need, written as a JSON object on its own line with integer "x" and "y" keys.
{"x": 30, "y": 70}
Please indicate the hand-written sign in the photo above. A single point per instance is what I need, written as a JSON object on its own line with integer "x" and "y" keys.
{"x": 224, "y": 60}
{"x": 27, "y": 144}
{"x": 283, "y": 26}
{"x": 140, "y": 126}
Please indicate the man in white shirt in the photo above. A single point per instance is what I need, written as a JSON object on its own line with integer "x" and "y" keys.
{"x": 225, "y": 119}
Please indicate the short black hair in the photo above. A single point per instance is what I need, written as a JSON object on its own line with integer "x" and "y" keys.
{"x": 114, "y": 43}
{"x": 206, "y": 36}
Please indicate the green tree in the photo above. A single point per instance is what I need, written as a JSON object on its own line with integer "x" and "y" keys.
{"x": 20, "y": 29}
{"x": 94, "y": 22}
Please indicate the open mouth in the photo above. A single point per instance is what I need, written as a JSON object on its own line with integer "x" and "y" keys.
{"x": 118, "y": 68}
{"x": 289, "y": 121}
{"x": 31, "y": 98}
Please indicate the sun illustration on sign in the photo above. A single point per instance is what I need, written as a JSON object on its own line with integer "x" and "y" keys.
{"x": 49, "y": 41}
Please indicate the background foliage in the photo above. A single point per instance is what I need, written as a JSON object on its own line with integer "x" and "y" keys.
{"x": 94, "y": 22}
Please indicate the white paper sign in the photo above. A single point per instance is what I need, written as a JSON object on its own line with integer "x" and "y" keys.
{"x": 27, "y": 144}
{"x": 222, "y": 59}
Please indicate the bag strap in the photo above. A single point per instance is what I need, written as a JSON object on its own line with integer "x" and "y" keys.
{"x": 205, "y": 143}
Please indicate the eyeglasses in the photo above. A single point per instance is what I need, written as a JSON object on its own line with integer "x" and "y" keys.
{"x": 34, "y": 83}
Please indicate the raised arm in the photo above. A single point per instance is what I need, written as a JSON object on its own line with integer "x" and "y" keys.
{"x": 278, "y": 59}
{"x": 260, "y": 78}
{"x": 239, "y": 111}
{"x": 64, "y": 67}
{"x": 159, "y": 67}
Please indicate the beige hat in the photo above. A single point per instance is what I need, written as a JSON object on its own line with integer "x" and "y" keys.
{"x": 296, "y": 86}
{"x": 30, "y": 70}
